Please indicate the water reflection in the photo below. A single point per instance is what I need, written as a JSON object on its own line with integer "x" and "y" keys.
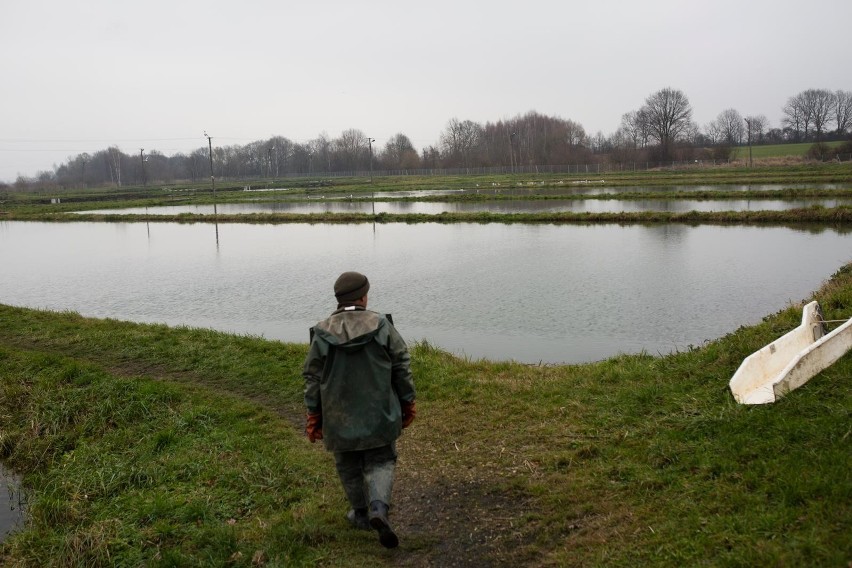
{"x": 503, "y": 206}
{"x": 599, "y": 186}
{"x": 11, "y": 503}
{"x": 528, "y": 292}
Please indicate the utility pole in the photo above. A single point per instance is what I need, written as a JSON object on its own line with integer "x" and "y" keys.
{"x": 142, "y": 162}
{"x": 210, "y": 147}
{"x": 512, "y": 151}
{"x": 748, "y": 129}
{"x": 373, "y": 198}
{"x": 370, "y": 142}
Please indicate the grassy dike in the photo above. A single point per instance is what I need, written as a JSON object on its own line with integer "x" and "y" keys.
{"x": 815, "y": 215}
{"x": 157, "y": 446}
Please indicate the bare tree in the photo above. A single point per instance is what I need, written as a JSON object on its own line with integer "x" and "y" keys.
{"x": 820, "y": 103}
{"x": 713, "y": 133}
{"x": 730, "y": 127}
{"x": 278, "y": 151}
{"x": 352, "y": 148}
{"x": 431, "y": 157}
{"x": 811, "y": 108}
{"x": 114, "y": 156}
{"x": 636, "y": 127}
{"x": 843, "y": 111}
{"x": 399, "y": 153}
{"x": 321, "y": 152}
{"x": 459, "y": 141}
{"x": 757, "y": 125}
{"x": 669, "y": 115}
{"x": 796, "y": 118}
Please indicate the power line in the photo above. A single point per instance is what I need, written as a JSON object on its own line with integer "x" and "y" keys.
{"x": 40, "y": 140}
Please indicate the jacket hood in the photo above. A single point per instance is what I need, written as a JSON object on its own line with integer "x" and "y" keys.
{"x": 350, "y": 329}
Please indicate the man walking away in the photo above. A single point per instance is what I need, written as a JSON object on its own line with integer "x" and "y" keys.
{"x": 359, "y": 395}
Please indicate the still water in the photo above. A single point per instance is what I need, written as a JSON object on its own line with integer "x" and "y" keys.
{"x": 11, "y": 506}
{"x": 591, "y": 186}
{"x": 552, "y": 293}
{"x": 512, "y": 206}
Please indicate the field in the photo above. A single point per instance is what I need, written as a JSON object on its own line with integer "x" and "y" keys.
{"x": 777, "y": 150}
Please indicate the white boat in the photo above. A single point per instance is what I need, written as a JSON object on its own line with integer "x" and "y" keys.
{"x": 791, "y": 360}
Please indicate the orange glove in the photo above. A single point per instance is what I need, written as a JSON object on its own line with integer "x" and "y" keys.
{"x": 313, "y": 426}
{"x": 408, "y": 413}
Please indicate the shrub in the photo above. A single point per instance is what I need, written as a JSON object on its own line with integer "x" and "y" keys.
{"x": 820, "y": 151}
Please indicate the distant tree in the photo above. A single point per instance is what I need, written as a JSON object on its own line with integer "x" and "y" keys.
{"x": 775, "y": 136}
{"x": 157, "y": 167}
{"x": 321, "y": 153}
{"x": 820, "y": 104}
{"x": 756, "y": 126}
{"x": 599, "y": 143}
{"x": 22, "y": 183}
{"x": 197, "y": 164}
{"x": 431, "y": 157}
{"x": 276, "y": 154}
{"x": 691, "y": 134}
{"x": 351, "y": 149}
{"x": 302, "y": 158}
{"x": 399, "y": 153}
{"x": 636, "y": 128}
{"x": 712, "y": 133}
{"x": 809, "y": 111}
{"x": 730, "y": 127}
{"x": 843, "y": 111}
{"x": 532, "y": 139}
{"x": 459, "y": 142}
{"x": 669, "y": 115}
{"x": 796, "y": 118}
{"x": 114, "y": 159}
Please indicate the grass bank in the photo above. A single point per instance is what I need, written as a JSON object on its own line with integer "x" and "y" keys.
{"x": 150, "y": 445}
{"x": 233, "y": 191}
{"x": 836, "y": 216}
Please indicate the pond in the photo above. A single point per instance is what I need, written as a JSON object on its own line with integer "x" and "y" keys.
{"x": 11, "y": 506}
{"x": 591, "y": 186}
{"x": 501, "y": 206}
{"x": 599, "y": 186}
{"x": 549, "y": 293}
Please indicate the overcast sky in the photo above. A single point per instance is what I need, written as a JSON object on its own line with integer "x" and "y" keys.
{"x": 155, "y": 74}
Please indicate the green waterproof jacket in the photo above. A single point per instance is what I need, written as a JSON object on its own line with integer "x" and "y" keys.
{"x": 356, "y": 373}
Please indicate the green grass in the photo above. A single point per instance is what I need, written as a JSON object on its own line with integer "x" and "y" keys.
{"x": 779, "y": 150}
{"x": 13, "y": 202}
{"x": 149, "y": 445}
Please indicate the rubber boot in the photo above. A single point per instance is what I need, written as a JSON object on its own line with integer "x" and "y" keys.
{"x": 358, "y": 519}
{"x": 379, "y": 521}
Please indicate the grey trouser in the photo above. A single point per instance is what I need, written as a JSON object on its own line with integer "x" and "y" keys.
{"x": 367, "y": 475}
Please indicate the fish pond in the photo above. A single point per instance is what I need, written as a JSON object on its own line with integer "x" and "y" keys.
{"x": 532, "y": 293}
{"x": 11, "y": 503}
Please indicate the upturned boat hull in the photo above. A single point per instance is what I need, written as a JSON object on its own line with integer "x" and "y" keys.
{"x": 791, "y": 360}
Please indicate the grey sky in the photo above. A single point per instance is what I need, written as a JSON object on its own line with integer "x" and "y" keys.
{"x": 155, "y": 74}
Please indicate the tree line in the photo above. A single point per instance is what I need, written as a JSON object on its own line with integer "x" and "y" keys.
{"x": 662, "y": 129}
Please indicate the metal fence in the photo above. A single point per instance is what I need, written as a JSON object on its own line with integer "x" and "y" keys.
{"x": 568, "y": 169}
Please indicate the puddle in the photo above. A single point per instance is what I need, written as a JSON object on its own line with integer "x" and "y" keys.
{"x": 11, "y": 503}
